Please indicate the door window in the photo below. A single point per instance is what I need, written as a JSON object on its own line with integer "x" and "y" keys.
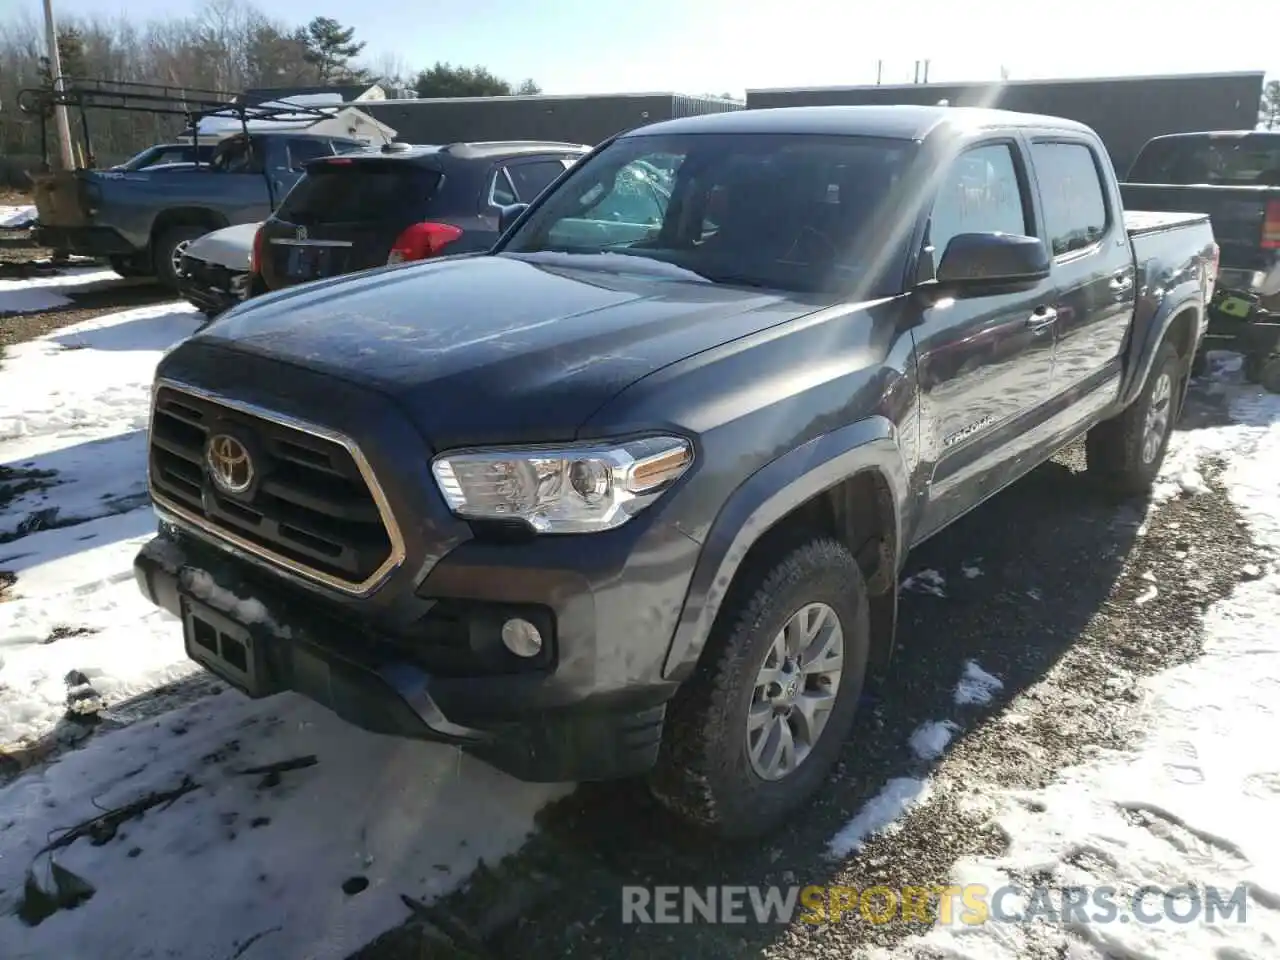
{"x": 1075, "y": 206}
{"x": 501, "y": 191}
{"x": 531, "y": 177}
{"x": 980, "y": 193}
{"x": 300, "y": 151}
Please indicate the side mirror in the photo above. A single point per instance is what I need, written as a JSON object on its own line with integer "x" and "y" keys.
{"x": 976, "y": 262}
{"x": 508, "y": 214}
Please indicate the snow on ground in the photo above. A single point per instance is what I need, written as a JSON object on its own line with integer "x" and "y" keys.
{"x": 310, "y": 862}
{"x": 12, "y": 217}
{"x": 1195, "y": 801}
{"x": 243, "y": 855}
{"x": 49, "y": 293}
{"x": 73, "y": 417}
{"x": 976, "y": 686}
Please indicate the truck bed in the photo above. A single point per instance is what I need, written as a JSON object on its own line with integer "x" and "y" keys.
{"x": 1238, "y": 214}
{"x": 1140, "y": 222}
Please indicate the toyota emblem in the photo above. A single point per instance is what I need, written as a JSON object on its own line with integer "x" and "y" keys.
{"x": 302, "y": 233}
{"x": 229, "y": 463}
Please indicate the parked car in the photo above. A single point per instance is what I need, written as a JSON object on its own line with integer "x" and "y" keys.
{"x": 1234, "y": 177}
{"x": 216, "y": 269}
{"x": 162, "y": 154}
{"x": 614, "y": 498}
{"x": 402, "y": 202}
{"x": 142, "y": 220}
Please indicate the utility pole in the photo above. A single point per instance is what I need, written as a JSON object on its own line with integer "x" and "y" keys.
{"x": 879, "y": 71}
{"x": 61, "y": 126}
{"x": 926, "y": 71}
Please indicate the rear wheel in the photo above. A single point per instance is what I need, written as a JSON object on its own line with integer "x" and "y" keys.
{"x": 168, "y": 249}
{"x": 753, "y": 735}
{"x": 1270, "y": 375}
{"x": 1126, "y": 451}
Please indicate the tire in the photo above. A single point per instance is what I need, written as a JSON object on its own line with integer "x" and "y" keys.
{"x": 1251, "y": 369}
{"x": 167, "y": 251}
{"x": 1270, "y": 375}
{"x": 704, "y": 772}
{"x": 1121, "y": 452}
{"x": 136, "y": 266}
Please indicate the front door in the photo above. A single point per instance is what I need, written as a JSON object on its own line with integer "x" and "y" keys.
{"x": 984, "y": 363}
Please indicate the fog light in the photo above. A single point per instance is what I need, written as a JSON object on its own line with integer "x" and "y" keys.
{"x": 521, "y": 637}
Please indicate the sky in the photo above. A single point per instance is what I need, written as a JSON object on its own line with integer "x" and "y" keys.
{"x": 715, "y": 46}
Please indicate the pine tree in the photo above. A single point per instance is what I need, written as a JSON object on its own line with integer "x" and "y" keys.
{"x": 330, "y": 48}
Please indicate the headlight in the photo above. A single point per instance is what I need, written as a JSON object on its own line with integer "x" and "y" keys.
{"x": 570, "y": 489}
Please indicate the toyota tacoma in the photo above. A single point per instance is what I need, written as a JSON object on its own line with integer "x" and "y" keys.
{"x": 631, "y": 493}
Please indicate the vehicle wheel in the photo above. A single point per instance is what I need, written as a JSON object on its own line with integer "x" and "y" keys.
{"x": 1270, "y": 377}
{"x": 168, "y": 250}
{"x": 1251, "y": 369}
{"x": 1126, "y": 451}
{"x": 130, "y": 266}
{"x": 754, "y": 733}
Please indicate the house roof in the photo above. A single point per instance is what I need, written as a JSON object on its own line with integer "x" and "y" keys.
{"x": 348, "y": 92}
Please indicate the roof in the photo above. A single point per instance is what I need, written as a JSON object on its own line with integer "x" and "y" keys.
{"x": 979, "y": 84}
{"x": 553, "y": 97}
{"x": 901, "y": 122}
{"x": 1224, "y": 134}
{"x": 348, "y": 92}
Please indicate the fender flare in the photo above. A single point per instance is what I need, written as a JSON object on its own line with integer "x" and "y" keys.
{"x": 766, "y": 497}
{"x": 1182, "y": 298}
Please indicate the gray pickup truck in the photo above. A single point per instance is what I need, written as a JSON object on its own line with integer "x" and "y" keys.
{"x": 143, "y": 220}
{"x": 618, "y": 498}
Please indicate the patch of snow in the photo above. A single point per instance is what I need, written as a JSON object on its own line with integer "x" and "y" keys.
{"x": 1194, "y": 800}
{"x": 1147, "y": 595}
{"x": 48, "y": 293}
{"x": 930, "y": 740}
{"x": 926, "y": 581}
{"x": 970, "y": 571}
{"x": 12, "y": 218}
{"x": 879, "y": 815}
{"x": 1192, "y": 483}
{"x": 252, "y": 854}
{"x": 30, "y": 301}
{"x": 75, "y": 420}
{"x": 976, "y": 686}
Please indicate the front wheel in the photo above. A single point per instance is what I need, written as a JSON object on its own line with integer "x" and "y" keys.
{"x": 752, "y": 736}
{"x": 1126, "y": 451}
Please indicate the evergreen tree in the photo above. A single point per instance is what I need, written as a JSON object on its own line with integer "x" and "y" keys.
{"x": 330, "y": 49}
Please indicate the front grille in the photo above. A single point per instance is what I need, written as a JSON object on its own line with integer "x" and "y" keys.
{"x": 309, "y": 508}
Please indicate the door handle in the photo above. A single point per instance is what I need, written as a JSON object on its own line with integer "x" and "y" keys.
{"x": 1042, "y": 319}
{"x": 1121, "y": 283}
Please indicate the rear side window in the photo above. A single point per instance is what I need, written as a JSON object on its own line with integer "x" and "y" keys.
{"x": 300, "y": 151}
{"x": 980, "y": 193}
{"x": 336, "y": 192}
{"x": 532, "y": 177}
{"x": 1075, "y": 206}
{"x": 1183, "y": 161}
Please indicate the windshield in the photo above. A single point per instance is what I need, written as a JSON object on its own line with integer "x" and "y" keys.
{"x": 1247, "y": 161}
{"x": 784, "y": 211}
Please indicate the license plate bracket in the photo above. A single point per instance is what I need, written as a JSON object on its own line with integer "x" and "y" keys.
{"x": 301, "y": 262}
{"x": 225, "y": 648}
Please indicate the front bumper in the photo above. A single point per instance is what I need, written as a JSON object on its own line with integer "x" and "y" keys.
{"x": 368, "y": 676}
{"x": 212, "y": 288}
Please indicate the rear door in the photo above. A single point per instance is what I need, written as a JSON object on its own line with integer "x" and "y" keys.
{"x": 345, "y": 215}
{"x": 1093, "y": 267}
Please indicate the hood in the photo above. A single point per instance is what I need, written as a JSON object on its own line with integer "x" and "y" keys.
{"x": 494, "y": 349}
{"x": 230, "y": 247}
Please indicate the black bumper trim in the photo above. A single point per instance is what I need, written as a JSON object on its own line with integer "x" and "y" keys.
{"x": 85, "y": 241}
{"x": 314, "y": 656}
